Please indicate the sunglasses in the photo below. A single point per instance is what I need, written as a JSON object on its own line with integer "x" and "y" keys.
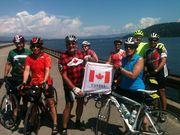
{"x": 19, "y": 44}
{"x": 37, "y": 46}
{"x": 71, "y": 43}
{"x": 153, "y": 40}
{"x": 84, "y": 46}
{"x": 130, "y": 47}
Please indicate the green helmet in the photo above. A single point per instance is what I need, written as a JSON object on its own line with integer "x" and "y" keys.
{"x": 139, "y": 33}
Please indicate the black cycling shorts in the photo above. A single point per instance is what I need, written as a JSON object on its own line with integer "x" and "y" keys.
{"x": 69, "y": 95}
{"x": 50, "y": 92}
{"x": 161, "y": 79}
{"x": 132, "y": 94}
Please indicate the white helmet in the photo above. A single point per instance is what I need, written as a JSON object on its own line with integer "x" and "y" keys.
{"x": 131, "y": 41}
{"x": 70, "y": 38}
{"x": 86, "y": 43}
{"x": 154, "y": 36}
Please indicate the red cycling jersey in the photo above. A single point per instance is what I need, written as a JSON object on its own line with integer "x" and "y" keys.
{"x": 73, "y": 65}
{"x": 37, "y": 67}
{"x": 115, "y": 58}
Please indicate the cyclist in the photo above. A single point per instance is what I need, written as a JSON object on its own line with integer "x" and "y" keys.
{"x": 115, "y": 58}
{"x": 131, "y": 71}
{"x": 91, "y": 55}
{"x": 39, "y": 65}
{"x": 15, "y": 64}
{"x": 155, "y": 60}
{"x": 71, "y": 67}
{"x": 142, "y": 46}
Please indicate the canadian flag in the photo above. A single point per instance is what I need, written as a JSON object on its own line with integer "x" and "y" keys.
{"x": 99, "y": 76}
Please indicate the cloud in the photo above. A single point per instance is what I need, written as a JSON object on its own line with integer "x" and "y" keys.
{"x": 48, "y": 26}
{"x": 143, "y": 23}
{"x": 101, "y": 30}
{"x": 129, "y": 27}
{"x": 148, "y": 21}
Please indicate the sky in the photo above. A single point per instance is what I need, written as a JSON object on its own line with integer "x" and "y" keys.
{"x": 58, "y": 18}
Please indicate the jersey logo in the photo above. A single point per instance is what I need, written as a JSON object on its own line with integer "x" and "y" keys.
{"x": 75, "y": 61}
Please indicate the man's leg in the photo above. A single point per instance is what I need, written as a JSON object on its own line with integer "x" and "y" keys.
{"x": 79, "y": 111}
{"x": 163, "y": 98}
{"x": 66, "y": 114}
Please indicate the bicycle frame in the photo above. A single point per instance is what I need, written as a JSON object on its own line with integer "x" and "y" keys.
{"x": 142, "y": 108}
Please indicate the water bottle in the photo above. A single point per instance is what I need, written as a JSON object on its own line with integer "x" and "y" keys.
{"x": 132, "y": 117}
{"x": 125, "y": 111}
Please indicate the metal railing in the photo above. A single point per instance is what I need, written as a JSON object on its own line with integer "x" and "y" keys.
{"x": 173, "y": 81}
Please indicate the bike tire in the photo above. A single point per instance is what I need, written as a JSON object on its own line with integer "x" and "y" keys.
{"x": 32, "y": 120}
{"x": 169, "y": 126}
{"x": 7, "y": 118}
{"x": 103, "y": 119}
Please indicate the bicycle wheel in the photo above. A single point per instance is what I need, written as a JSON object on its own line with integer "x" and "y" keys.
{"x": 9, "y": 111}
{"x": 32, "y": 120}
{"x": 165, "y": 123}
{"x": 103, "y": 119}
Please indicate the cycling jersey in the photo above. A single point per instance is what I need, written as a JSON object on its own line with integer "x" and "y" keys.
{"x": 37, "y": 67}
{"x": 17, "y": 58}
{"x": 153, "y": 59}
{"x": 73, "y": 65}
{"x": 92, "y": 54}
{"x": 128, "y": 83}
{"x": 115, "y": 58}
{"x": 142, "y": 48}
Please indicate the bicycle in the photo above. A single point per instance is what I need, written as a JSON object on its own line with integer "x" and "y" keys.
{"x": 36, "y": 109}
{"x": 10, "y": 107}
{"x": 147, "y": 120}
{"x": 152, "y": 84}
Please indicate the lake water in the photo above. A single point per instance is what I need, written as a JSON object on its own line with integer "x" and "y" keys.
{"x": 105, "y": 45}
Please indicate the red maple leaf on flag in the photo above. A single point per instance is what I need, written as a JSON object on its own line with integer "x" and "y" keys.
{"x": 99, "y": 76}
{"x": 75, "y": 61}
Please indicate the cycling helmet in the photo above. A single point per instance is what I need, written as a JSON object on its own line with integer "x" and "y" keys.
{"x": 131, "y": 42}
{"x": 139, "y": 33}
{"x": 70, "y": 38}
{"x": 118, "y": 41}
{"x": 154, "y": 36}
{"x": 86, "y": 43}
{"x": 18, "y": 39}
{"x": 36, "y": 41}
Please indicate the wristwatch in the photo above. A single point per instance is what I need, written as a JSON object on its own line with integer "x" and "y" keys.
{"x": 156, "y": 70}
{"x": 120, "y": 68}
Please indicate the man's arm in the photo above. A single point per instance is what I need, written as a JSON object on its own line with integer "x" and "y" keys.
{"x": 67, "y": 80}
{"x": 161, "y": 65}
{"x": 26, "y": 73}
{"x": 7, "y": 68}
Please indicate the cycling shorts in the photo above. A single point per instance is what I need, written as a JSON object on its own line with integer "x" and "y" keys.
{"x": 69, "y": 95}
{"x": 132, "y": 94}
{"x": 50, "y": 92}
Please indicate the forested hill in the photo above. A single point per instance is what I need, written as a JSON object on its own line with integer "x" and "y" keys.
{"x": 164, "y": 30}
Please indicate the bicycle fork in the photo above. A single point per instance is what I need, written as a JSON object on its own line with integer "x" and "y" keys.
{"x": 7, "y": 105}
{"x": 151, "y": 122}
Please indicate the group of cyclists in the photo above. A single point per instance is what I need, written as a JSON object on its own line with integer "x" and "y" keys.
{"x": 32, "y": 67}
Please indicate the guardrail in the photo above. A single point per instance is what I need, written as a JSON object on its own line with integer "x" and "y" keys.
{"x": 173, "y": 81}
{"x": 6, "y": 45}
